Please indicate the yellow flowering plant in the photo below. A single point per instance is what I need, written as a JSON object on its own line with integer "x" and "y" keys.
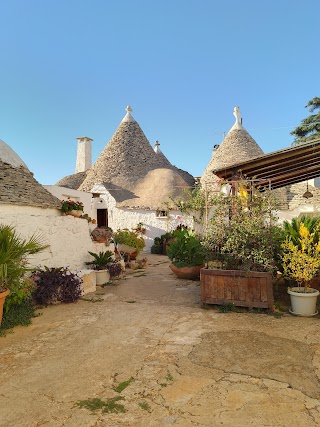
{"x": 302, "y": 262}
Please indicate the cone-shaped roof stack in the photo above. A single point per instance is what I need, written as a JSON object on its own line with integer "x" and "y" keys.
{"x": 126, "y": 159}
{"x": 236, "y": 147}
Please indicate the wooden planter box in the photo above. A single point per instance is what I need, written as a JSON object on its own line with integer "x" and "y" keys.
{"x": 241, "y": 288}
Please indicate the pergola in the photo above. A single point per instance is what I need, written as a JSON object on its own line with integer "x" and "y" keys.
{"x": 279, "y": 168}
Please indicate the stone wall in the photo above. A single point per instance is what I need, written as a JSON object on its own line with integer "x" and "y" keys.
{"x": 68, "y": 237}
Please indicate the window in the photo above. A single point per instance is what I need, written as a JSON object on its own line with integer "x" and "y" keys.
{"x": 161, "y": 213}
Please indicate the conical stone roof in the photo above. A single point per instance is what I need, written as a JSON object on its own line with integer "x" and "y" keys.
{"x": 237, "y": 146}
{"x": 17, "y": 184}
{"x": 184, "y": 174}
{"x": 72, "y": 181}
{"x": 125, "y": 160}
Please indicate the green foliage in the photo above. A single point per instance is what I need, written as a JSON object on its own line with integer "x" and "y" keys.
{"x": 19, "y": 314}
{"x": 129, "y": 238}
{"x": 185, "y": 249}
{"x": 14, "y": 251}
{"x": 101, "y": 260}
{"x": 56, "y": 284}
{"x": 110, "y": 405}
{"x": 309, "y": 128}
{"x": 120, "y": 387}
{"x": 292, "y": 229}
{"x": 242, "y": 233}
{"x": 159, "y": 243}
{"x": 144, "y": 406}
{"x": 301, "y": 262}
{"x": 71, "y": 205}
{"x": 157, "y": 249}
{"x": 193, "y": 202}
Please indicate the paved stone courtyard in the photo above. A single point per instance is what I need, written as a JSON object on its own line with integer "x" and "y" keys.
{"x": 146, "y": 345}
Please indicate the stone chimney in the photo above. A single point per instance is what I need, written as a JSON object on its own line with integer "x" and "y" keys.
{"x": 83, "y": 154}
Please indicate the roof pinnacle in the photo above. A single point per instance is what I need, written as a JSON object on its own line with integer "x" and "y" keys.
{"x": 237, "y": 115}
{"x": 156, "y": 146}
{"x": 128, "y": 117}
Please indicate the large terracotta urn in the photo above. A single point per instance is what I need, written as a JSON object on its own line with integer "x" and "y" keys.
{"x": 188, "y": 273}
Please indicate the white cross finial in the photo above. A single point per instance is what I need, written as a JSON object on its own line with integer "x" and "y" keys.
{"x": 156, "y": 144}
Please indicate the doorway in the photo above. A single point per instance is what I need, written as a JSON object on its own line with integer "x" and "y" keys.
{"x": 102, "y": 217}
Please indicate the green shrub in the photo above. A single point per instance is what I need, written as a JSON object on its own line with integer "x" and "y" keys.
{"x": 19, "y": 314}
{"x": 185, "y": 249}
{"x": 129, "y": 238}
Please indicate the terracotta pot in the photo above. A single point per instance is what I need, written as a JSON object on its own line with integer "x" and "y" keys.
{"x": 3, "y": 296}
{"x": 101, "y": 239}
{"x": 76, "y": 212}
{"x": 189, "y": 273}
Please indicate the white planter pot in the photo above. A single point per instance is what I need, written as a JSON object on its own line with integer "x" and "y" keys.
{"x": 102, "y": 277}
{"x": 303, "y": 303}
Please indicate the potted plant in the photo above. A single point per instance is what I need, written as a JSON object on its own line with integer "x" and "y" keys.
{"x": 301, "y": 262}
{"x": 186, "y": 254}
{"x": 128, "y": 242}
{"x": 15, "y": 286}
{"x": 70, "y": 207}
{"x": 102, "y": 234}
{"x": 242, "y": 240}
{"x": 100, "y": 264}
{"x": 4, "y": 291}
{"x": 56, "y": 284}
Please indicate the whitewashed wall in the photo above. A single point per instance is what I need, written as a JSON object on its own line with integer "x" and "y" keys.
{"x": 63, "y": 193}
{"x": 129, "y": 218}
{"x": 68, "y": 237}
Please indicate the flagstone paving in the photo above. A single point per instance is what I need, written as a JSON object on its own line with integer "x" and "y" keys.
{"x": 147, "y": 342}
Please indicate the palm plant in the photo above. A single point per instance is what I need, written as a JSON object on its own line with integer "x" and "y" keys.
{"x": 14, "y": 251}
{"x": 292, "y": 229}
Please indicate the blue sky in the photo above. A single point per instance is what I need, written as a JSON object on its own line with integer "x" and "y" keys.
{"x": 68, "y": 68}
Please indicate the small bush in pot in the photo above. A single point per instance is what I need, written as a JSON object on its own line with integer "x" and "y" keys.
{"x": 186, "y": 250}
{"x": 301, "y": 262}
{"x": 243, "y": 240}
{"x": 129, "y": 238}
{"x": 187, "y": 254}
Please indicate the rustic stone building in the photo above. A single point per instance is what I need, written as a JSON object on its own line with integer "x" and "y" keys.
{"x": 238, "y": 146}
{"x": 133, "y": 183}
{"x": 31, "y": 209}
